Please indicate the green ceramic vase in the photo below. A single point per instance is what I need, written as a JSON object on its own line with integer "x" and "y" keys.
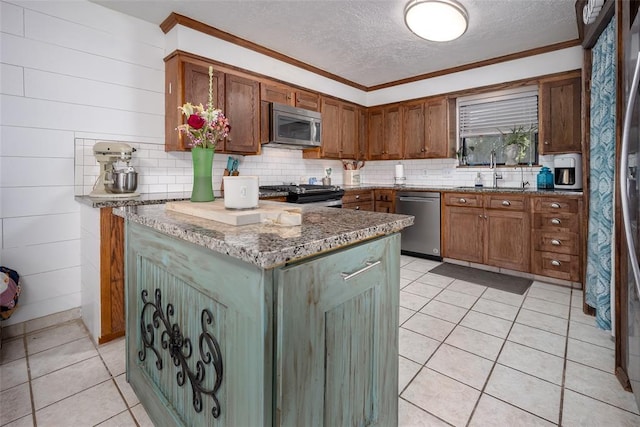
{"x": 202, "y": 170}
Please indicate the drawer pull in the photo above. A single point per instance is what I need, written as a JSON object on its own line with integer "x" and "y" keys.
{"x": 556, "y": 242}
{"x": 506, "y": 203}
{"x": 357, "y": 196}
{"x": 369, "y": 265}
{"x": 555, "y": 205}
{"x": 555, "y": 263}
{"x": 556, "y": 221}
{"x": 462, "y": 200}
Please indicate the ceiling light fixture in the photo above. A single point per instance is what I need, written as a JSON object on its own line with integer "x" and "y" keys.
{"x": 436, "y": 20}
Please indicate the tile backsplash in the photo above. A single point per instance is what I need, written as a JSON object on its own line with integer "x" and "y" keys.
{"x": 161, "y": 172}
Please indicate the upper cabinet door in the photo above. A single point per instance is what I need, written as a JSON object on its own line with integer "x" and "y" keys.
{"x": 414, "y": 130}
{"x": 330, "y": 128}
{"x": 307, "y": 100}
{"x": 560, "y": 130}
{"x": 349, "y": 134}
{"x": 375, "y": 119}
{"x": 276, "y": 93}
{"x": 242, "y": 108}
{"x": 187, "y": 80}
{"x": 393, "y": 132}
{"x": 436, "y": 128}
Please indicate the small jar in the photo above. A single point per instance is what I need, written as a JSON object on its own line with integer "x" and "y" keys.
{"x": 545, "y": 179}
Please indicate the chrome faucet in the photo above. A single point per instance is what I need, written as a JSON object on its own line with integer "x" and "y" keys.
{"x": 523, "y": 183}
{"x": 493, "y": 165}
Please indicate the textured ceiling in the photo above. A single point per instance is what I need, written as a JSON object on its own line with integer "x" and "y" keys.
{"x": 366, "y": 41}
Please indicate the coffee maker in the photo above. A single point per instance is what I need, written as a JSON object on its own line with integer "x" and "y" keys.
{"x": 114, "y": 182}
{"x": 567, "y": 171}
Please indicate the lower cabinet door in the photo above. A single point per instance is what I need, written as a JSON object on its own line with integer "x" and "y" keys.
{"x": 463, "y": 234}
{"x": 337, "y": 338}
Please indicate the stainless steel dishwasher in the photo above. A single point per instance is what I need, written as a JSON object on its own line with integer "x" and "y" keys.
{"x": 423, "y": 237}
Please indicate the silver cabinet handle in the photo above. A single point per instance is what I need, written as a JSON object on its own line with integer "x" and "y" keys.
{"x": 556, "y": 242}
{"x": 555, "y": 205}
{"x": 369, "y": 266}
{"x": 556, "y": 221}
{"x": 480, "y": 216}
{"x": 506, "y": 203}
{"x": 555, "y": 263}
{"x": 546, "y": 143}
{"x": 462, "y": 200}
{"x": 357, "y": 196}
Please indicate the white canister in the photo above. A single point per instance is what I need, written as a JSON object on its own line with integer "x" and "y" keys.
{"x": 240, "y": 192}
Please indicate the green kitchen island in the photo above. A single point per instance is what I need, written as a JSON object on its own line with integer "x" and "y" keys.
{"x": 264, "y": 324}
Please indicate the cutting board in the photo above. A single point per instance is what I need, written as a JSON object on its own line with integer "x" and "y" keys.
{"x": 216, "y": 211}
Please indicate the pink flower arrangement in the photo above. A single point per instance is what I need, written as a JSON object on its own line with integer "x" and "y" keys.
{"x": 204, "y": 127}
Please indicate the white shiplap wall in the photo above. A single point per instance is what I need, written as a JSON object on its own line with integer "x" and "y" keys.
{"x": 69, "y": 70}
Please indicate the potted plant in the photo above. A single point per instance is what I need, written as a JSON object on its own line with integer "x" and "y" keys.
{"x": 516, "y": 141}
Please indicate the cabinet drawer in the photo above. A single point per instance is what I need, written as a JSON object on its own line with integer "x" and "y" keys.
{"x": 507, "y": 202}
{"x": 556, "y": 222}
{"x": 359, "y": 206}
{"x": 463, "y": 199}
{"x": 560, "y": 266}
{"x": 556, "y": 241}
{"x": 555, "y": 204}
{"x": 357, "y": 196}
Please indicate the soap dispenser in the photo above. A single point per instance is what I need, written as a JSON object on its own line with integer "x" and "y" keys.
{"x": 478, "y": 181}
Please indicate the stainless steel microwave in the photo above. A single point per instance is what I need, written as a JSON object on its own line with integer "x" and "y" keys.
{"x": 292, "y": 127}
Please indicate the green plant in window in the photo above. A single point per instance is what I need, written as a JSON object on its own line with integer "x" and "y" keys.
{"x": 517, "y": 141}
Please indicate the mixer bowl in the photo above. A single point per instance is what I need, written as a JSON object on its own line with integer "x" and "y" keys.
{"x": 125, "y": 181}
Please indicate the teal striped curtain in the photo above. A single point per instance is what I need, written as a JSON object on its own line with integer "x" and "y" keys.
{"x": 602, "y": 169}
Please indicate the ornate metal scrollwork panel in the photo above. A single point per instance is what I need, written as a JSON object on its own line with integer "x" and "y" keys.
{"x": 180, "y": 348}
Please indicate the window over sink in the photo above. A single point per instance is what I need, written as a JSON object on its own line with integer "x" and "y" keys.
{"x": 503, "y": 122}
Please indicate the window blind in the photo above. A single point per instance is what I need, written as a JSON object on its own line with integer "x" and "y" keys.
{"x": 498, "y": 112}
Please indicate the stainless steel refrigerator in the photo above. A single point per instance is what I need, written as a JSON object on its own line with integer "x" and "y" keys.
{"x": 630, "y": 197}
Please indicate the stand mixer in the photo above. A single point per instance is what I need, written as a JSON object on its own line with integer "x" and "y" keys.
{"x": 108, "y": 154}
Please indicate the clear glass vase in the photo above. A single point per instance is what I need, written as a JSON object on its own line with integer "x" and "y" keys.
{"x": 202, "y": 174}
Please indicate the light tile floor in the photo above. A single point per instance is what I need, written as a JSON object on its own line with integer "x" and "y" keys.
{"x": 469, "y": 356}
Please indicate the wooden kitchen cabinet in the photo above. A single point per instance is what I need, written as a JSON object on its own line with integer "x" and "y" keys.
{"x": 242, "y": 108}
{"x": 187, "y": 80}
{"x": 556, "y": 237}
{"x": 463, "y": 227}
{"x": 339, "y": 129}
{"x": 426, "y": 129}
{"x": 488, "y": 229}
{"x": 385, "y": 132}
{"x": 384, "y": 200}
{"x": 282, "y": 94}
{"x": 507, "y": 232}
{"x": 112, "y": 305}
{"x": 362, "y": 134}
{"x": 360, "y": 200}
{"x": 560, "y": 113}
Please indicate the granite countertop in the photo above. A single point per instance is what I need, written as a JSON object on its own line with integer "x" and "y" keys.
{"x": 442, "y": 189}
{"x": 268, "y": 245}
{"x": 159, "y": 198}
